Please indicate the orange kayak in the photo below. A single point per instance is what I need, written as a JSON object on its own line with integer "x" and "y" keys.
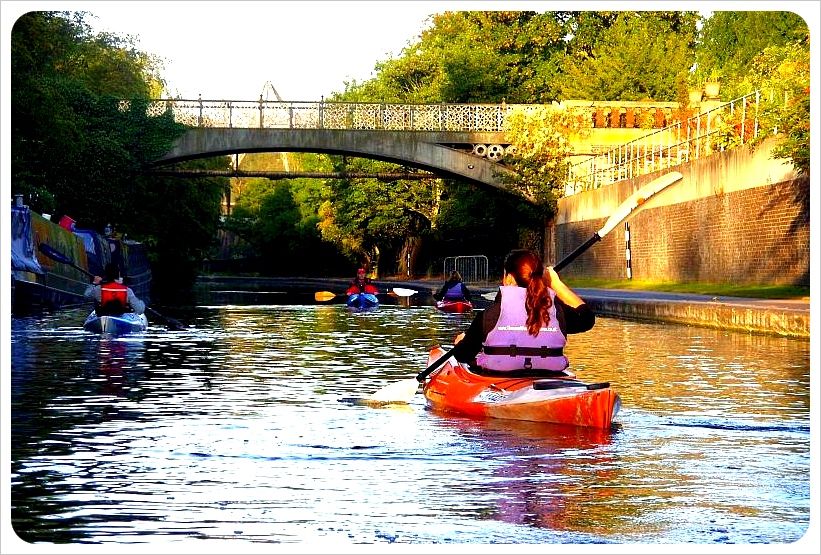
{"x": 455, "y": 389}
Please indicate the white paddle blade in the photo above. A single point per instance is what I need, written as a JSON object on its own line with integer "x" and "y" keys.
{"x": 402, "y": 292}
{"x": 398, "y": 392}
{"x": 490, "y": 296}
{"x": 637, "y": 199}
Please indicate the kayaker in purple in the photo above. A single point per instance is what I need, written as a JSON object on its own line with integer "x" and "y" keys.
{"x": 525, "y": 330}
{"x": 454, "y": 289}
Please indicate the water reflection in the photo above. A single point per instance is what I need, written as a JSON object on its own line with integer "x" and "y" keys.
{"x": 232, "y": 429}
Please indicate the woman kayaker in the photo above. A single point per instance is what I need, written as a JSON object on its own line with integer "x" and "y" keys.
{"x": 110, "y": 296}
{"x": 361, "y": 284}
{"x": 525, "y": 330}
{"x": 454, "y": 289}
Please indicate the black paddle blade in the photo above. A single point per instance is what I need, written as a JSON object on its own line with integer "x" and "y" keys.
{"x": 172, "y": 323}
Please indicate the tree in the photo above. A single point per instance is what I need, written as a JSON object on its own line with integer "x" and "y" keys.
{"x": 730, "y": 40}
{"x": 541, "y": 137}
{"x": 82, "y": 136}
{"x": 627, "y": 55}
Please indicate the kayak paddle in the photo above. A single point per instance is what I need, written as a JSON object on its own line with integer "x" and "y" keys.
{"x": 60, "y": 257}
{"x": 404, "y": 390}
{"x": 322, "y": 296}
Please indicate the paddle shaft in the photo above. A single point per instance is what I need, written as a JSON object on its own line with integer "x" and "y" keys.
{"x": 624, "y": 210}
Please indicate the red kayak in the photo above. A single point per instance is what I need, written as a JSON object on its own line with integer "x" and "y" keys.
{"x": 454, "y": 388}
{"x": 451, "y": 306}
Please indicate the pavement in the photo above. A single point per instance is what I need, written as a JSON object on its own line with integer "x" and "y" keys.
{"x": 783, "y": 317}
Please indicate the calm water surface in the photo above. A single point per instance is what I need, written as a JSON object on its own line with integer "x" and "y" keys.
{"x": 232, "y": 430}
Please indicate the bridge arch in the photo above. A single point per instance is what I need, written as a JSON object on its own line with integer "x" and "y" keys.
{"x": 434, "y": 151}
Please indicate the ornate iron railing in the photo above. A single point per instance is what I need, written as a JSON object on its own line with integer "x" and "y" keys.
{"x": 673, "y": 145}
{"x": 337, "y": 115}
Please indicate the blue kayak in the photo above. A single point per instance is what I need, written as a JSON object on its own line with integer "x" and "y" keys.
{"x": 116, "y": 324}
{"x": 363, "y": 300}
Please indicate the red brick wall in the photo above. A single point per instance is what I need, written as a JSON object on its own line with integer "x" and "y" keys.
{"x": 759, "y": 235}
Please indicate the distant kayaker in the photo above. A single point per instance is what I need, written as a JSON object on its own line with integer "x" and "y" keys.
{"x": 110, "y": 296}
{"x": 525, "y": 330}
{"x": 454, "y": 289}
{"x": 361, "y": 284}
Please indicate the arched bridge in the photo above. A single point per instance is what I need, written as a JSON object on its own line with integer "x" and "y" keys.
{"x": 462, "y": 141}
{"x": 450, "y": 140}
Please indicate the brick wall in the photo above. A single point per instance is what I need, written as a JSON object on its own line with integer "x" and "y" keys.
{"x": 749, "y": 235}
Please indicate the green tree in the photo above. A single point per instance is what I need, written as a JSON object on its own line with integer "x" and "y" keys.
{"x": 730, "y": 40}
{"x": 82, "y": 137}
{"x": 627, "y": 55}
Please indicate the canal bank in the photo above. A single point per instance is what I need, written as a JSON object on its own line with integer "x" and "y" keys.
{"x": 784, "y": 317}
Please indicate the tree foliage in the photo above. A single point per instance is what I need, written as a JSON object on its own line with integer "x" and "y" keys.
{"x": 78, "y": 150}
{"x": 730, "y": 40}
{"x": 82, "y": 137}
{"x": 627, "y": 55}
{"x": 542, "y": 139}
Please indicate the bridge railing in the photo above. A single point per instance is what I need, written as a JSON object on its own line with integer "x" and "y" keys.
{"x": 337, "y": 115}
{"x": 730, "y": 124}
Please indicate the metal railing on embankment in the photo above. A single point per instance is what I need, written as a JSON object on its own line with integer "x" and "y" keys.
{"x": 731, "y": 124}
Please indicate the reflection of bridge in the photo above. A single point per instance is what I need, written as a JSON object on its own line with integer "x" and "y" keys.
{"x": 461, "y": 141}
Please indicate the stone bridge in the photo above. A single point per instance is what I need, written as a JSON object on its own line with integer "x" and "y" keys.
{"x": 455, "y": 141}
{"x": 459, "y": 141}
{"x": 446, "y": 154}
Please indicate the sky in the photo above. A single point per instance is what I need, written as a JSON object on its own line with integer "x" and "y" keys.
{"x": 230, "y": 50}
{"x": 306, "y": 49}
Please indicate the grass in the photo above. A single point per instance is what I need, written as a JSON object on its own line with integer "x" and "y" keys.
{"x": 713, "y": 289}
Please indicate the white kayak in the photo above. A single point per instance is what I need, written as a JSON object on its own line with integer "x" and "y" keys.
{"x": 122, "y": 323}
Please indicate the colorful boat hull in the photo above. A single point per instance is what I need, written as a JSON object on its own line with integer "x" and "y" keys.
{"x": 454, "y": 307}
{"x": 362, "y": 300}
{"x": 116, "y": 324}
{"x": 39, "y": 283}
{"x": 454, "y": 389}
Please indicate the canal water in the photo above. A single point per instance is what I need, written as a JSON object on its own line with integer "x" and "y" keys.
{"x": 229, "y": 435}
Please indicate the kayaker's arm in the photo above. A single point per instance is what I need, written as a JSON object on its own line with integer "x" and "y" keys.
{"x": 135, "y": 303}
{"x": 564, "y": 292}
{"x": 575, "y": 319}
{"x": 92, "y": 292}
{"x": 470, "y": 345}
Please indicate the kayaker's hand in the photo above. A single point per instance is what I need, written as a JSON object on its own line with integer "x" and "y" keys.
{"x": 97, "y": 280}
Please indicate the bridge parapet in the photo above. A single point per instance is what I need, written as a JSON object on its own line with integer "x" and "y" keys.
{"x": 339, "y": 115}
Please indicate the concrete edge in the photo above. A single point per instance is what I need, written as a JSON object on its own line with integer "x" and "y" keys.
{"x": 770, "y": 321}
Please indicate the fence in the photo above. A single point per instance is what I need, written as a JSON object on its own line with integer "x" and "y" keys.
{"x": 337, "y": 115}
{"x": 473, "y": 269}
{"x": 728, "y": 125}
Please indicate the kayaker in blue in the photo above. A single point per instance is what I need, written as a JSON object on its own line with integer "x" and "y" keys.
{"x": 111, "y": 296}
{"x": 454, "y": 289}
{"x": 525, "y": 330}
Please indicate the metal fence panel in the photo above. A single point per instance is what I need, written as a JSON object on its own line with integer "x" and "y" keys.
{"x": 473, "y": 269}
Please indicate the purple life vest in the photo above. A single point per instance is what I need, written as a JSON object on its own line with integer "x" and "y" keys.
{"x": 509, "y": 346}
{"x": 455, "y": 292}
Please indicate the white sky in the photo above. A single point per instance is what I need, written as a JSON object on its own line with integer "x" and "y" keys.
{"x": 228, "y": 50}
